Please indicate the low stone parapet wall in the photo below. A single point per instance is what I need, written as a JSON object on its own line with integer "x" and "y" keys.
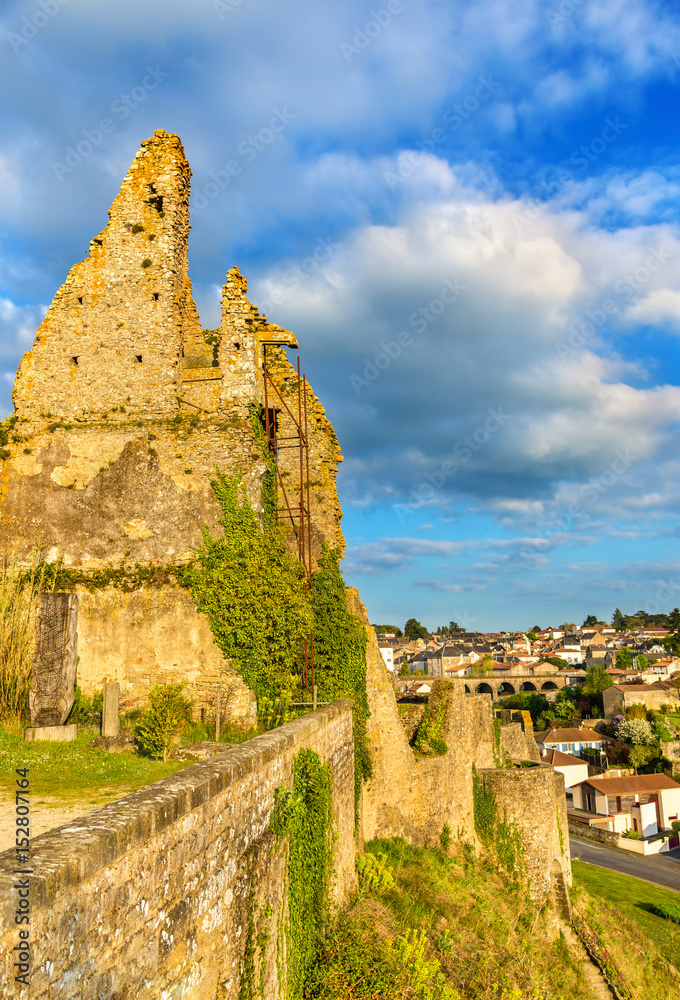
{"x": 151, "y": 896}
{"x": 593, "y": 833}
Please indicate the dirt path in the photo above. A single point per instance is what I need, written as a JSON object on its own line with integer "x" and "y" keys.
{"x": 46, "y": 814}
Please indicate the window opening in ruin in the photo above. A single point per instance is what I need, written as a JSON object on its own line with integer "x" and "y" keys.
{"x": 237, "y": 345}
{"x": 155, "y": 296}
{"x": 138, "y": 358}
{"x": 297, "y": 514}
{"x": 74, "y": 360}
{"x": 80, "y": 299}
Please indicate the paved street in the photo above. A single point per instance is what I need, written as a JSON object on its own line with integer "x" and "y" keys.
{"x": 663, "y": 869}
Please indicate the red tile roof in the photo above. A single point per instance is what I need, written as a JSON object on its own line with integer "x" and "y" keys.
{"x": 631, "y": 783}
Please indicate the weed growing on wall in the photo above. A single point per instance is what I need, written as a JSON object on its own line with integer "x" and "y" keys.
{"x": 250, "y": 588}
{"x": 498, "y": 834}
{"x": 340, "y": 657}
{"x": 427, "y": 737}
{"x": 304, "y": 815}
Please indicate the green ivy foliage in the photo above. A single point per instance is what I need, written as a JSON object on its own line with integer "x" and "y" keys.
{"x": 340, "y": 657}
{"x": 427, "y": 737}
{"x": 305, "y": 816}
{"x": 251, "y": 590}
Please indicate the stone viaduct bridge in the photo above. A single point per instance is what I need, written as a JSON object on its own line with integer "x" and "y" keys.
{"x": 498, "y": 687}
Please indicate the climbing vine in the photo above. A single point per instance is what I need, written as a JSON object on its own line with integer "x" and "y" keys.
{"x": 304, "y": 815}
{"x": 340, "y": 657}
{"x": 497, "y": 833}
{"x": 427, "y": 737}
{"x": 250, "y": 587}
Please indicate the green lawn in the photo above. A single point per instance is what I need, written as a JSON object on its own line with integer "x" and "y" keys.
{"x": 631, "y": 896}
{"x": 71, "y": 773}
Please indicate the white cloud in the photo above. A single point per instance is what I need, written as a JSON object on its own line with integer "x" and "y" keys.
{"x": 661, "y": 306}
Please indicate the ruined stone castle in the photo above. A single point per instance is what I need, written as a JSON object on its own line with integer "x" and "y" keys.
{"x": 125, "y": 407}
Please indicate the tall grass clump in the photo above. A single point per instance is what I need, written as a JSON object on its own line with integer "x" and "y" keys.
{"x": 19, "y": 586}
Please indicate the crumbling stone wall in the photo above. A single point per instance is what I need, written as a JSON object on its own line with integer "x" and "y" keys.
{"x": 415, "y": 798}
{"x": 125, "y": 407}
{"x": 155, "y": 635}
{"x": 519, "y": 743}
{"x": 151, "y": 895}
{"x": 535, "y": 799}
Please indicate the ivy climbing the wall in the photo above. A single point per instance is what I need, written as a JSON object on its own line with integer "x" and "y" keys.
{"x": 250, "y": 588}
{"x": 304, "y": 815}
{"x": 340, "y": 657}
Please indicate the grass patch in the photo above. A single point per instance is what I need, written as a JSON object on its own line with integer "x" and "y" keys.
{"x": 71, "y": 773}
{"x": 646, "y": 947}
{"x": 634, "y": 898}
{"x": 484, "y": 936}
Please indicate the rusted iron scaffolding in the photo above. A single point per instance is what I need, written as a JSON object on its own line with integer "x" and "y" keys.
{"x": 297, "y": 514}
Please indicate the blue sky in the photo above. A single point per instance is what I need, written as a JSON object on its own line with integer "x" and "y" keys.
{"x": 468, "y": 213}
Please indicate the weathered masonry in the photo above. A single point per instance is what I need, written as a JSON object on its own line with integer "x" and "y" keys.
{"x": 151, "y": 896}
{"x": 124, "y": 408}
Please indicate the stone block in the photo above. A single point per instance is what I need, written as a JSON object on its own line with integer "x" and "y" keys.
{"x": 53, "y": 677}
{"x": 61, "y": 734}
{"x": 110, "y": 717}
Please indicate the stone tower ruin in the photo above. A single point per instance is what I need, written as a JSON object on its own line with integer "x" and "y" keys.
{"x": 124, "y": 409}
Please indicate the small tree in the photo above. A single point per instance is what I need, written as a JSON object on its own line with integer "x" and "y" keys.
{"x": 624, "y": 658}
{"x": 414, "y": 630}
{"x": 637, "y": 732}
{"x": 163, "y": 722}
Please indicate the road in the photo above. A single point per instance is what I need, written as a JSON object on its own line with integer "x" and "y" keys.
{"x": 662, "y": 869}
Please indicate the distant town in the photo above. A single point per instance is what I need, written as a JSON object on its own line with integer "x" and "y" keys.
{"x": 600, "y": 700}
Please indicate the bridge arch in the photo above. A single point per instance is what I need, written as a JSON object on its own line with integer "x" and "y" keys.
{"x": 549, "y": 686}
{"x": 484, "y": 689}
{"x": 506, "y": 688}
{"x": 467, "y": 689}
{"x": 527, "y": 686}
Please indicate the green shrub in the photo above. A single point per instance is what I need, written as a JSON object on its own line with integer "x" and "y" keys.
{"x": 138, "y": 228}
{"x": 666, "y": 910}
{"x": 631, "y": 835}
{"x": 164, "y": 721}
{"x": 375, "y": 874}
{"x": 147, "y": 262}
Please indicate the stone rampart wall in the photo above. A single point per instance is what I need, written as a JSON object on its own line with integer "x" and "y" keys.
{"x": 534, "y": 798}
{"x": 519, "y": 744}
{"x": 150, "y": 896}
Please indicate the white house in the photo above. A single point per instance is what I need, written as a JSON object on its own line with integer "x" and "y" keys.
{"x": 387, "y": 652}
{"x": 573, "y": 769}
{"x": 571, "y": 741}
{"x": 647, "y": 803}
